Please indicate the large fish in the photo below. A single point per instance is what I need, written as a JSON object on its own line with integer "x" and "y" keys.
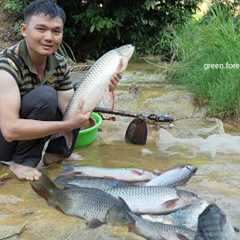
{"x": 97, "y": 79}
{"x": 158, "y": 231}
{"x": 95, "y": 206}
{"x": 153, "y": 199}
{"x": 89, "y": 182}
{"x": 173, "y": 177}
{"x": 186, "y": 216}
{"x": 125, "y": 174}
{"x": 213, "y": 224}
{"x": 94, "y": 86}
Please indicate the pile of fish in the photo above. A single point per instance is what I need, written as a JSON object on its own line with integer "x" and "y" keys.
{"x": 148, "y": 203}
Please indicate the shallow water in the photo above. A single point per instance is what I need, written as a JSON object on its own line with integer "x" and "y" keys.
{"x": 217, "y": 179}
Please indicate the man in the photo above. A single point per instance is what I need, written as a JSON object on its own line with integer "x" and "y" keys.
{"x": 34, "y": 92}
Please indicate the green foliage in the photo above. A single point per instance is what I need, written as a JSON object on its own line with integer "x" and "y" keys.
{"x": 15, "y": 6}
{"x": 67, "y": 52}
{"x": 208, "y": 49}
{"x": 95, "y": 26}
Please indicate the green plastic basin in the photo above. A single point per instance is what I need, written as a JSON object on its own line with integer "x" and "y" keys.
{"x": 88, "y": 135}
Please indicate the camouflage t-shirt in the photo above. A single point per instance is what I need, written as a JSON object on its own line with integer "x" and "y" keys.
{"x": 16, "y": 61}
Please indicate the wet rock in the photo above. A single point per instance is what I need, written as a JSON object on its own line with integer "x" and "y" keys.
{"x": 146, "y": 151}
{"x": 197, "y": 127}
{"x": 11, "y": 231}
{"x": 140, "y": 77}
{"x": 9, "y": 199}
{"x": 76, "y": 231}
{"x": 26, "y": 212}
{"x": 3, "y": 216}
{"x": 102, "y": 233}
{"x": 177, "y": 103}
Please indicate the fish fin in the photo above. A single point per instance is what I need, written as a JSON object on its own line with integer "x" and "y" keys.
{"x": 131, "y": 228}
{"x": 222, "y": 220}
{"x": 108, "y": 99}
{"x": 137, "y": 172}
{"x": 171, "y": 203}
{"x": 44, "y": 187}
{"x": 182, "y": 237}
{"x": 113, "y": 100}
{"x": 94, "y": 223}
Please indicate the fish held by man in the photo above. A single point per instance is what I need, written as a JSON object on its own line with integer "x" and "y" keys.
{"x": 97, "y": 79}
{"x": 95, "y": 206}
{"x": 96, "y": 82}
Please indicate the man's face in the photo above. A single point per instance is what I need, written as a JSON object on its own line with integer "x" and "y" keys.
{"x": 43, "y": 34}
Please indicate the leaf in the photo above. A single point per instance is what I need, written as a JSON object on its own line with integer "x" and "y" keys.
{"x": 92, "y": 28}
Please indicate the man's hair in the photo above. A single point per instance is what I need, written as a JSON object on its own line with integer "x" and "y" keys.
{"x": 46, "y": 7}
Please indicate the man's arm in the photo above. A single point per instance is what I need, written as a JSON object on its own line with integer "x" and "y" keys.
{"x": 15, "y": 128}
{"x": 64, "y": 98}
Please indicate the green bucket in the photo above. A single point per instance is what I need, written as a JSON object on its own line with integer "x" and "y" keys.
{"x": 88, "y": 135}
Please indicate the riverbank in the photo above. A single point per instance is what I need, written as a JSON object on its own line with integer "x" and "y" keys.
{"x": 31, "y": 218}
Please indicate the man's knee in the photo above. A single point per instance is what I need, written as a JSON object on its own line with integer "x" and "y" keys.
{"x": 48, "y": 101}
{"x": 40, "y": 104}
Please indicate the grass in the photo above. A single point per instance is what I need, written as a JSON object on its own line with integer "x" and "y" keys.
{"x": 207, "y": 50}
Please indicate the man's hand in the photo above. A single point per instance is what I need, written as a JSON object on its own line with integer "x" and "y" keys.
{"x": 114, "y": 81}
{"x": 80, "y": 119}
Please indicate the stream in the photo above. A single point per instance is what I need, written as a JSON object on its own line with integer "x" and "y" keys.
{"x": 24, "y": 215}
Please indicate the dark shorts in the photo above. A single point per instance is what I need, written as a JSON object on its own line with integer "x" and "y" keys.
{"x": 39, "y": 104}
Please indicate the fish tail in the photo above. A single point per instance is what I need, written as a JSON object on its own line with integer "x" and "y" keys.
{"x": 44, "y": 186}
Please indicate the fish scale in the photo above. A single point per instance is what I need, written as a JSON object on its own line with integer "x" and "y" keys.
{"x": 94, "y": 205}
{"x": 186, "y": 216}
{"x": 127, "y": 174}
{"x": 145, "y": 199}
{"x": 158, "y": 231}
{"x": 97, "y": 79}
{"x": 90, "y": 204}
